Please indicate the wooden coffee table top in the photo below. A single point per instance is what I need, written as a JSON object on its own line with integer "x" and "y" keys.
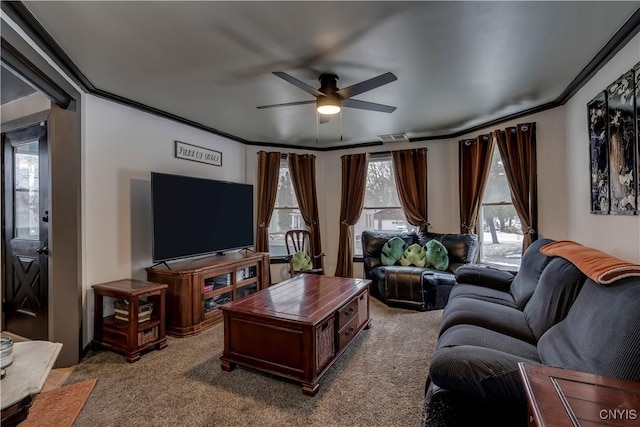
{"x": 306, "y": 298}
{"x": 561, "y": 397}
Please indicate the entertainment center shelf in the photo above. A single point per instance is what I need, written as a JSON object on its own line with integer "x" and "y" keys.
{"x": 197, "y": 288}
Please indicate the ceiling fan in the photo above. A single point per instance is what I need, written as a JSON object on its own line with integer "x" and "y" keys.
{"x": 330, "y": 99}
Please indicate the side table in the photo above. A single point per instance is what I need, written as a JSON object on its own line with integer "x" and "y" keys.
{"x": 130, "y": 337}
{"x": 561, "y": 397}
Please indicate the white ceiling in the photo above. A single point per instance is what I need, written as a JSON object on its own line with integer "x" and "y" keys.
{"x": 459, "y": 64}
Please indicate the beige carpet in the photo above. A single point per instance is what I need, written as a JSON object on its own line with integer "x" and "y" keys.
{"x": 59, "y": 407}
{"x": 379, "y": 381}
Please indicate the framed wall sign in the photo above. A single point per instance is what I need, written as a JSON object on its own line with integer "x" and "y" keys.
{"x": 198, "y": 154}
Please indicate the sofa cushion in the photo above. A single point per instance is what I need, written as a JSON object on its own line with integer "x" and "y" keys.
{"x": 531, "y": 266}
{"x": 481, "y": 292}
{"x": 557, "y": 289}
{"x": 497, "y": 317}
{"x": 462, "y": 248}
{"x": 601, "y": 333}
{"x": 489, "y": 375}
{"x": 414, "y": 255}
{"x": 436, "y": 255}
{"x": 483, "y": 275}
{"x": 373, "y": 241}
{"x": 392, "y": 251}
{"x": 486, "y": 338}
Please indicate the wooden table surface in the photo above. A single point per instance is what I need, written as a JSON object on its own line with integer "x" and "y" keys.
{"x": 305, "y": 298}
{"x": 561, "y": 397}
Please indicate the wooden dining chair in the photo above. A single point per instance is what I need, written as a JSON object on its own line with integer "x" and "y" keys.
{"x": 300, "y": 241}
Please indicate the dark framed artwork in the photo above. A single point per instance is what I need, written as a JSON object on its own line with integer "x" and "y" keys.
{"x": 599, "y": 153}
{"x": 622, "y": 145}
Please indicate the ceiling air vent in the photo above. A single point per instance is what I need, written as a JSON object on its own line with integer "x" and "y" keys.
{"x": 394, "y": 137}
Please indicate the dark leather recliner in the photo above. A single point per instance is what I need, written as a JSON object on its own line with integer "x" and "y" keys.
{"x": 415, "y": 287}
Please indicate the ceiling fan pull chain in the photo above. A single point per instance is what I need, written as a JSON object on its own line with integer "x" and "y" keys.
{"x": 340, "y": 125}
{"x": 317, "y": 125}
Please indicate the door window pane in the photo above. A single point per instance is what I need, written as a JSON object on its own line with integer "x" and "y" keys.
{"x": 26, "y": 191}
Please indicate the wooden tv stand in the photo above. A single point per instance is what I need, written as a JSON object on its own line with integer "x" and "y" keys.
{"x": 198, "y": 287}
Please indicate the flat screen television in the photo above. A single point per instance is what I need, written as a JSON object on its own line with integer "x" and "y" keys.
{"x": 196, "y": 216}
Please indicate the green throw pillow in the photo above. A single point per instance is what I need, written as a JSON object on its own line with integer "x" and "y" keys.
{"x": 392, "y": 251}
{"x": 437, "y": 255}
{"x": 302, "y": 262}
{"x": 414, "y": 255}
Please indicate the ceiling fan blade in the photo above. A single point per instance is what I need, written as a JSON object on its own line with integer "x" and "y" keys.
{"x": 364, "y": 105}
{"x": 366, "y": 85}
{"x": 305, "y": 87}
{"x": 288, "y": 104}
{"x": 323, "y": 118}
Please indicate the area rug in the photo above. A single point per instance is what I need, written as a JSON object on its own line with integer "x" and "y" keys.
{"x": 377, "y": 382}
{"x": 59, "y": 407}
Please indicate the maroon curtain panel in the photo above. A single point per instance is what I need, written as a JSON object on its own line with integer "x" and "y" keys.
{"x": 303, "y": 176}
{"x": 474, "y": 163}
{"x": 517, "y": 147}
{"x": 410, "y": 172}
{"x": 354, "y": 179}
{"x": 268, "y": 174}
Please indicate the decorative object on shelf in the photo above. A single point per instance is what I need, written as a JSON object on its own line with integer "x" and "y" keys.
{"x": 198, "y": 154}
{"x": 622, "y": 145}
{"x": 121, "y": 309}
{"x": 599, "y": 153}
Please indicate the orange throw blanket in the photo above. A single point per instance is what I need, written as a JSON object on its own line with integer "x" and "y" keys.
{"x": 599, "y": 266}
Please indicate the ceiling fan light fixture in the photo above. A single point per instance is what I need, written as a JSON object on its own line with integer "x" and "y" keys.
{"x": 328, "y": 105}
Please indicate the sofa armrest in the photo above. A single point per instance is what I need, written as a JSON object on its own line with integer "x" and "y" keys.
{"x": 484, "y": 276}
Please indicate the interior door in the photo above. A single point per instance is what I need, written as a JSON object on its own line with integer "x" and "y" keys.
{"x": 25, "y": 189}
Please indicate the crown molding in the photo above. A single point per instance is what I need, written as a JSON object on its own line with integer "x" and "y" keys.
{"x": 21, "y": 15}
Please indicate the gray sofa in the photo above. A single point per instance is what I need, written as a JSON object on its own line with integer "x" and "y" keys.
{"x": 549, "y": 313}
{"x": 411, "y": 287}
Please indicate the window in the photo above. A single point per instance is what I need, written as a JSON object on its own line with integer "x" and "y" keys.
{"x": 382, "y": 210}
{"x": 501, "y": 237}
{"x": 286, "y": 214}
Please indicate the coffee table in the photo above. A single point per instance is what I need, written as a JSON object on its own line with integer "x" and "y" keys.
{"x": 296, "y": 329}
{"x": 565, "y": 398}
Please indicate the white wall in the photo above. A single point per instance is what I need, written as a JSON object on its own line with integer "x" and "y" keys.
{"x": 121, "y": 147}
{"x": 618, "y": 235}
